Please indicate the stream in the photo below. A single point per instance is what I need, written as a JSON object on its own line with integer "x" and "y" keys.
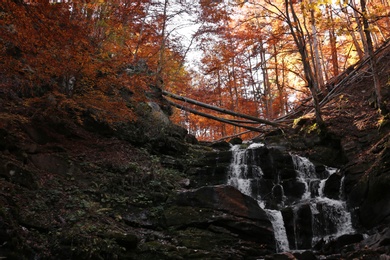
{"x": 305, "y": 207}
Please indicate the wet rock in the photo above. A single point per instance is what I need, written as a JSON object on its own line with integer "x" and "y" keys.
{"x": 371, "y": 194}
{"x": 235, "y": 141}
{"x": 277, "y": 193}
{"x": 225, "y": 198}
{"x": 206, "y": 176}
{"x": 210, "y": 168}
{"x": 335, "y": 246}
{"x": 305, "y": 255}
{"x": 288, "y": 219}
{"x": 221, "y": 214}
{"x": 313, "y": 187}
{"x": 381, "y": 239}
{"x": 281, "y": 256}
{"x": 222, "y": 145}
{"x": 303, "y": 229}
{"x": 273, "y": 162}
{"x": 332, "y": 186}
{"x": 293, "y": 189}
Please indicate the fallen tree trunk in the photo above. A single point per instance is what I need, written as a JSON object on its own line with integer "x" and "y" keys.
{"x": 227, "y": 121}
{"x": 222, "y": 110}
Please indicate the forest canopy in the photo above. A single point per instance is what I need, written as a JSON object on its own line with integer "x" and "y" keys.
{"x": 255, "y": 57}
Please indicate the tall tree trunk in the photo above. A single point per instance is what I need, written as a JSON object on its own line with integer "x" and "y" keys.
{"x": 332, "y": 40}
{"x": 351, "y": 30}
{"x": 359, "y": 26}
{"x": 266, "y": 82}
{"x": 278, "y": 85}
{"x": 317, "y": 59}
{"x": 299, "y": 39}
{"x": 161, "y": 61}
{"x": 370, "y": 50}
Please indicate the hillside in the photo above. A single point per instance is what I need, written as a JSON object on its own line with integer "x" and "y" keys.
{"x": 75, "y": 185}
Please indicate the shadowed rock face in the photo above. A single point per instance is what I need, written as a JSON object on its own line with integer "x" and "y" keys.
{"x": 370, "y": 193}
{"x": 222, "y": 210}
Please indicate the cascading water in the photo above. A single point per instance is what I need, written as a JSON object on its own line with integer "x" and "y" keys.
{"x": 303, "y": 204}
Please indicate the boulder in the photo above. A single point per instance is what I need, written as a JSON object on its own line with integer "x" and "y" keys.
{"x": 303, "y": 229}
{"x": 380, "y": 239}
{"x": 332, "y": 186}
{"x": 235, "y": 141}
{"x": 371, "y": 194}
{"x": 335, "y": 246}
{"x": 220, "y": 216}
{"x": 210, "y": 168}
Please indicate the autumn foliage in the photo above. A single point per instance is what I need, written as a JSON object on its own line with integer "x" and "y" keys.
{"x": 90, "y": 51}
{"x": 263, "y": 57}
{"x": 255, "y": 57}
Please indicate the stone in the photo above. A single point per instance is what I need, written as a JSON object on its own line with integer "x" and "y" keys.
{"x": 18, "y": 175}
{"x": 334, "y": 246}
{"x": 191, "y": 139}
{"x": 332, "y": 186}
{"x": 373, "y": 198}
{"x": 303, "y": 229}
{"x": 225, "y": 198}
{"x": 277, "y": 193}
{"x": 53, "y": 163}
{"x": 293, "y": 189}
{"x": 222, "y": 145}
{"x": 305, "y": 255}
{"x": 380, "y": 239}
{"x": 235, "y": 141}
{"x": 225, "y": 208}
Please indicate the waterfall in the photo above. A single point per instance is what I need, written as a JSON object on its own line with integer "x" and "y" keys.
{"x": 241, "y": 168}
{"x": 301, "y": 207}
{"x": 279, "y": 229}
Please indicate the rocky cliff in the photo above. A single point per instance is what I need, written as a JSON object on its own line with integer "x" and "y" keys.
{"x": 74, "y": 186}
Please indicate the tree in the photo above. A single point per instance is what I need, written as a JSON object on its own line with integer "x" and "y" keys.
{"x": 298, "y": 34}
{"x": 370, "y": 52}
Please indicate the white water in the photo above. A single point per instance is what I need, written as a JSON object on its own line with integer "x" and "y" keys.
{"x": 330, "y": 220}
{"x": 305, "y": 170}
{"x": 238, "y": 171}
{"x": 335, "y": 213}
{"x": 279, "y": 230}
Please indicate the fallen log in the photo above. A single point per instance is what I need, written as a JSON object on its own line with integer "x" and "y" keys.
{"x": 227, "y": 121}
{"x": 222, "y": 110}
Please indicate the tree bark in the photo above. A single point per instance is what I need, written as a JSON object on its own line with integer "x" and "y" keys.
{"x": 227, "y": 121}
{"x": 333, "y": 47}
{"x": 372, "y": 57}
{"x": 317, "y": 58}
{"x": 222, "y": 110}
{"x": 299, "y": 39}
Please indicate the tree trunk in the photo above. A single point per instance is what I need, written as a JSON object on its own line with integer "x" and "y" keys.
{"x": 317, "y": 59}
{"x": 227, "y": 121}
{"x": 222, "y": 110}
{"x": 370, "y": 50}
{"x": 266, "y": 82}
{"x": 359, "y": 26}
{"x": 161, "y": 61}
{"x": 299, "y": 39}
{"x": 333, "y": 47}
